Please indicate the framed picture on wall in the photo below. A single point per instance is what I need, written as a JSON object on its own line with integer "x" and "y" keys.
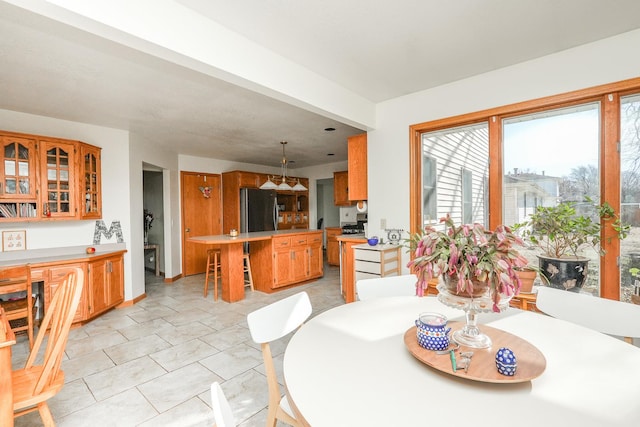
{"x": 14, "y": 240}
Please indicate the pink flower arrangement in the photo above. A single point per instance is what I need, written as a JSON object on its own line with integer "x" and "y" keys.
{"x": 468, "y": 253}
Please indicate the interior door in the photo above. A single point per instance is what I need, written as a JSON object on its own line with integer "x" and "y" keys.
{"x": 201, "y": 216}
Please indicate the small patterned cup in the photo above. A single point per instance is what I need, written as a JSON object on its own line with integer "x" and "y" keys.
{"x": 432, "y": 331}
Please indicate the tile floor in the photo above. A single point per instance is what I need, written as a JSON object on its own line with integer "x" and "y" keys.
{"x": 152, "y": 364}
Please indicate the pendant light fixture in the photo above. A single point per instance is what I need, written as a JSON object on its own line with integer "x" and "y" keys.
{"x": 284, "y": 185}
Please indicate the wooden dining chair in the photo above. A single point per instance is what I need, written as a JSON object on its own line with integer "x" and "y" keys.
{"x": 600, "y": 314}
{"x": 222, "y": 414}
{"x": 389, "y": 286}
{"x": 268, "y": 324}
{"x": 19, "y": 311}
{"x": 35, "y": 384}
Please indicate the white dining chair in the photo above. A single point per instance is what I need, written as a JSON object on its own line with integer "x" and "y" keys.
{"x": 389, "y": 286}
{"x": 268, "y": 324}
{"x": 600, "y": 314}
{"x": 222, "y": 414}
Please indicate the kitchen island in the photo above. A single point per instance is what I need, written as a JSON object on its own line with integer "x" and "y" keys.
{"x": 278, "y": 258}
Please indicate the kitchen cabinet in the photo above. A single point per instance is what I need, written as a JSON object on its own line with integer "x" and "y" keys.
{"x": 57, "y": 179}
{"x": 347, "y": 275}
{"x": 357, "y": 166}
{"x": 54, "y": 276}
{"x": 333, "y": 247}
{"x": 105, "y": 284}
{"x": 286, "y": 260}
{"x": 90, "y": 182}
{"x": 341, "y": 189}
{"x": 44, "y": 178}
{"x": 103, "y": 287}
{"x": 295, "y": 214}
{"x": 18, "y": 185}
{"x": 316, "y": 256}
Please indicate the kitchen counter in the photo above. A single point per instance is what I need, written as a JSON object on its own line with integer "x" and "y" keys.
{"x": 352, "y": 238}
{"x": 231, "y": 254}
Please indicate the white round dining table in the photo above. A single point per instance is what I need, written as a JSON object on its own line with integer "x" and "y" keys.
{"x": 349, "y": 366}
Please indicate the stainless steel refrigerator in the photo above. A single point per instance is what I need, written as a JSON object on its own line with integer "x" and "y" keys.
{"x": 258, "y": 210}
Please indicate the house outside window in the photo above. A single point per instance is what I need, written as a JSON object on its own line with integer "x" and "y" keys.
{"x": 445, "y": 154}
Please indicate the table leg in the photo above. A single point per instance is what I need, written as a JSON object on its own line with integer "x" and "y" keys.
{"x": 157, "y": 261}
{"x": 232, "y": 272}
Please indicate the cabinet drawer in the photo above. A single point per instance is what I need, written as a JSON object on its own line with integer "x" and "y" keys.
{"x": 299, "y": 240}
{"x": 366, "y": 255}
{"x": 314, "y": 239}
{"x": 367, "y": 266}
{"x": 281, "y": 242}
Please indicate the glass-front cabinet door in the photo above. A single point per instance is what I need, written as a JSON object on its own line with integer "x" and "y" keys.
{"x": 58, "y": 179}
{"x": 90, "y": 185}
{"x": 17, "y": 178}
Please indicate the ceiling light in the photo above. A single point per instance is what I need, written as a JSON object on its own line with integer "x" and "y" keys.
{"x": 284, "y": 185}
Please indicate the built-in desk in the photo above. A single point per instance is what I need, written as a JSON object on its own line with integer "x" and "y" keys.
{"x": 103, "y": 271}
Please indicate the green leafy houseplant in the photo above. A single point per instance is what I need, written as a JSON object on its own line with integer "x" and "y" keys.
{"x": 470, "y": 255}
{"x": 561, "y": 233}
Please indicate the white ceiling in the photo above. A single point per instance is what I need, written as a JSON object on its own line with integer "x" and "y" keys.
{"x": 374, "y": 48}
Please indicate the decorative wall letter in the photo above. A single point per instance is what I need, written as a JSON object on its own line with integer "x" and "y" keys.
{"x": 101, "y": 229}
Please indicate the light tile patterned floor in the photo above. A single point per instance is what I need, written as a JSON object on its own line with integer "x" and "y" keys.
{"x": 152, "y": 364}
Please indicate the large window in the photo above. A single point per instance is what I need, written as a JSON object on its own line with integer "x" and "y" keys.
{"x": 630, "y": 193}
{"x": 551, "y": 157}
{"x": 541, "y": 152}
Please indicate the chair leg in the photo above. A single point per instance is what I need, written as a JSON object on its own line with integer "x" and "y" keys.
{"x": 206, "y": 276}
{"x": 45, "y": 414}
{"x": 247, "y": 269}
{"x": 216, "y": 274}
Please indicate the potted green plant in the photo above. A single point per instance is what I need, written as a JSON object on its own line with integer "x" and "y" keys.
{"x": 469, "y": 258}
{"x": 563, "y": 235}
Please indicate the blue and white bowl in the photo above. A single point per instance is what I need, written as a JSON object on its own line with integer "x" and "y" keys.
{"x": 506, "y": 362}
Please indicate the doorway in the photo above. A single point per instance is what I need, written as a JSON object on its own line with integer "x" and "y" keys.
{"x": 153, "y": 208}
{"x": 327, "y": 210}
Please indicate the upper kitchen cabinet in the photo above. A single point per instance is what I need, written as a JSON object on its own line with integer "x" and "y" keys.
{"x": 58, "y": 187}
{"x": 341, "y": 189}
{"x": 357, "y": 162}
{"x": 90, "y": 182}
{"x": 46, "y": 178}
{"x": 18, "y": 188}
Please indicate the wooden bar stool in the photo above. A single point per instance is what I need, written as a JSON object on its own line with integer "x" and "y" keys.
{"x": 19, "y": 310}
{"x": 213, "y": 266}
{"x": 248, "y": 281}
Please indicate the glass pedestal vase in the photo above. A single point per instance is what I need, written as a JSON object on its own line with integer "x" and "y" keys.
{"x": 470, "y": 335}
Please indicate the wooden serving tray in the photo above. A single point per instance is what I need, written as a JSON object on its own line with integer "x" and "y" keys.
{"x": 531, "y": 362}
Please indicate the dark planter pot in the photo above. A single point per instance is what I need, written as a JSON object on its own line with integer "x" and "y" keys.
{"x": 563, "y": 273}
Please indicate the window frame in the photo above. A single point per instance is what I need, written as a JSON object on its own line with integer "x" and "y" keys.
{"x": 609, "y": 97}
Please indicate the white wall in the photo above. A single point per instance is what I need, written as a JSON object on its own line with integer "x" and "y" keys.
{"x": 605, "y": 61}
